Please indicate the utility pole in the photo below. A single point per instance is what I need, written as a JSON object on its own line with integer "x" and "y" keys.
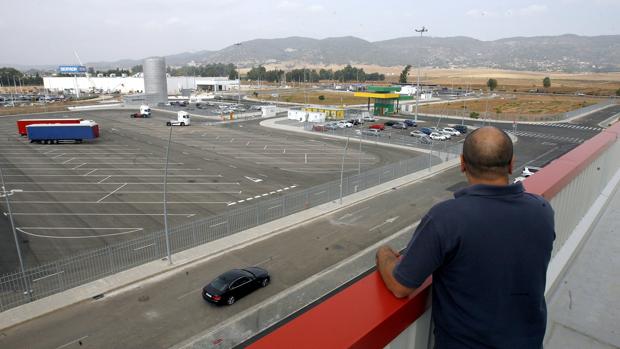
{"x": 165, "y": 201}
{"x": 417, "y": 90}
{"x": 6, "y": 194}
{"x": 344, "y": 153}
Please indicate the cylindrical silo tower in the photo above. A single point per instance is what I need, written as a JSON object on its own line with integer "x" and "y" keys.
{"x": 155, "y": 82}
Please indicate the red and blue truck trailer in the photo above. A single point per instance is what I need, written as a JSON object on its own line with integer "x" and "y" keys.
{"x": 21, "y": 124}
{"x": 56, "y": 133}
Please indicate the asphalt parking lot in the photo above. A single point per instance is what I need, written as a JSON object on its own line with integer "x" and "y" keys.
{"x": 69, "y": 198}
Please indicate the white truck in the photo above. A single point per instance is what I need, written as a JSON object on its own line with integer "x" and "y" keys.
{"x": 183, "y": 119}
{"x": 145, "y": 112}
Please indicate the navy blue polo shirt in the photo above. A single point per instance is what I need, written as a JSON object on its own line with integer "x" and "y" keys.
{"x": 488, "y": 251}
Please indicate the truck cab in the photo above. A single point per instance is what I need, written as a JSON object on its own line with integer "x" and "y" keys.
{"x": 183, "y": 119}
{"x": 145, "y": 112}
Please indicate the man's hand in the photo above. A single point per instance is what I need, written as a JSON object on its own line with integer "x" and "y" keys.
{"x": 386, "y": 259}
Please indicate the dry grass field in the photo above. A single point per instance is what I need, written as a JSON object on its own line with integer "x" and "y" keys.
{"x": 516, "y": 104}
{"x": 312, "y": 97}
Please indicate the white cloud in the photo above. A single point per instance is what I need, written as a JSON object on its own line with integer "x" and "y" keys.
{"x": 315, "y": 8}
{"x": 287, "y": 5}
{"x": 531, "y": 10}
{"x": 480, "y": 13}
{"x": 173, "y": 20}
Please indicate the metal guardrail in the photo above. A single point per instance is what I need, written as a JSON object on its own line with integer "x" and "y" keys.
{"x": 45, "y": 280}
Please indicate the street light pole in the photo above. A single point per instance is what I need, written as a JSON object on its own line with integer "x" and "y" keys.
{"x": 417, "y": 90}
{"x": 19, "y": 252}
{"x": 166, "y": 202}
{"x": 344, "y": 153}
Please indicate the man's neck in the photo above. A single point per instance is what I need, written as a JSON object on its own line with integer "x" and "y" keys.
{"x": 501, "y": 181}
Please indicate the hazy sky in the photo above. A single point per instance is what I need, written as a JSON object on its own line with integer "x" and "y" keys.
{"x": 48, "y": 31}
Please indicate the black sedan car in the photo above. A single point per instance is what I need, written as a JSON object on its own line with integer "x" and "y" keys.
{"x": 234, "y": 284}
{"x": 390, "y": 123}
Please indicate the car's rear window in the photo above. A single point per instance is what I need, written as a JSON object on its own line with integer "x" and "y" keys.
{"x": 219, "y": 284}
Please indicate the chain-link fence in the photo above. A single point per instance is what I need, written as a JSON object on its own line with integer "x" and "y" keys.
{"x": 38, "y": 282}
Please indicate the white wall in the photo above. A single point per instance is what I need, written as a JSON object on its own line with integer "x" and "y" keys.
{"x": 124, "y": 85}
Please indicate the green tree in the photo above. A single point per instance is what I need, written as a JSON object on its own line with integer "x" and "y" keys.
{"x": 474, "y": 115}
{"x": 618, "y": 92}
{"x": 136, "y": 68}
{"x": 403, "y": 75}
{"x": 321, "y": 98}
{"x": 547, "y": 82}
{"x": 492, "y": 84}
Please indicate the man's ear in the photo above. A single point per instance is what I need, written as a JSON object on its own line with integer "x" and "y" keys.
{"x": 511, "y": 165}
{"x": 463, "y": 168}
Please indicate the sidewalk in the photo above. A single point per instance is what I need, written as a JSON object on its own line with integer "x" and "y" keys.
{"x": 584, "y": 312}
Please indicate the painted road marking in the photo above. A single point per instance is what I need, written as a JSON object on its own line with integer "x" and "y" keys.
{"x": 86, "y": 174}
{"x": 101, "y": 181}
{"x": 79, "y": 340}
{"x": 387, "y": 221}
{"x": 117, "y": 189}
{"x": 129, "y": 231}
{"x": 76, "y": 167}
{"x": 255, "y": 180}
{"x": 215, "y": 225}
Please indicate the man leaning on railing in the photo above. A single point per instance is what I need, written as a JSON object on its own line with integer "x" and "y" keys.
{"x": 488, "y": 251}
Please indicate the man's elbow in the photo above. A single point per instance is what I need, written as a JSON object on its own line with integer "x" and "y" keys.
{"x": 400, "y": 291}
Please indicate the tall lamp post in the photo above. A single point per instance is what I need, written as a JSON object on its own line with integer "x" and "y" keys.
{"x": 166, "y": 232}
{"x": 6, "y": 194}
{"x": 417, "y": 90}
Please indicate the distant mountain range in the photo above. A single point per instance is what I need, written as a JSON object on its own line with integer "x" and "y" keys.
{"x": 571, "y": 53}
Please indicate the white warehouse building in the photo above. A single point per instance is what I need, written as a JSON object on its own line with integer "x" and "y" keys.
{"x": 135, "y": 84}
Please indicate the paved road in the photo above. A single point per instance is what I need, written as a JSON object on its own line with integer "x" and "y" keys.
{"x": 164, "y": 313}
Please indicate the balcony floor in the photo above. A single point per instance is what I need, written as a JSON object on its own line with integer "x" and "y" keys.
{"x": 584, "y": 311}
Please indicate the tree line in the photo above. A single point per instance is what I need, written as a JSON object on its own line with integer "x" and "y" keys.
{"x": 213, "y": 69}
{"x": 346, "y": 74}
{"x": 12, "y": 76}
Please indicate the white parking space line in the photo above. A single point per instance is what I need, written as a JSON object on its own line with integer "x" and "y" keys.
{"x": 86, "y": 174}
{"x": 215, "y": 225}
{"x": 196, "y": 291}
{"x": 26, "y": 230}
{"x": 101, "y": 181}
{"x": 57, "y": 156}
{"x": 101, "y": 214}
{"x": 117, "y": 189}
{"x": 68, "y": 161}
{"x": 76, "y": 167}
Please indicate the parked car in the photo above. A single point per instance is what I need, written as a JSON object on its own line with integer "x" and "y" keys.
{"x": 461, "y": 128}
{"x": 400, "y": 125}
{"x": 410, "y": 123}
{"x": 234, "y": 284}
{"x": 331, "y": 126}
{"x": 448, "y": 135}
{"x": 369, "y": 118}
{"x": 436, "y": 136}
{"x": 318, "y": 128}
{"x": 417, "y": 134}
{"x": 426, "y": 130}
{"x": 390, "y": 123}
{"x": 371, "y": 132}
{"x": 426, "y": 140}
{"x": 529, "y": 170}
{"x": 451, "y": 131}
{"x": 344, "y": 124}
{"x": 377, "y": 127}
{"x": 356, "y": 122}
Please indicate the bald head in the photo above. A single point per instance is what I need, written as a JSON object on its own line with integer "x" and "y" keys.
{"x": 487, "y": 153}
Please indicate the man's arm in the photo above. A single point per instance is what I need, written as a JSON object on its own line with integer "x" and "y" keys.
{"x": 387, "y": 259}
